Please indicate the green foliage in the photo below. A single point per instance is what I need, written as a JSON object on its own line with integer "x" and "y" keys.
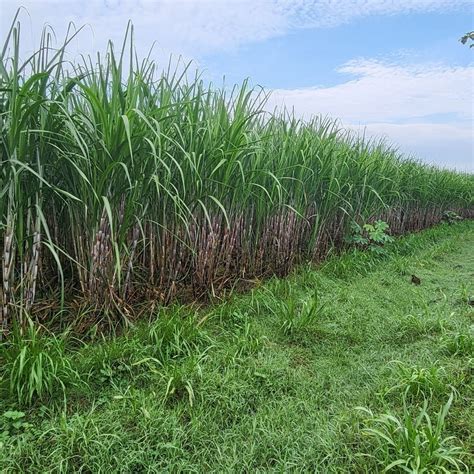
{"x": 371, "y": 236}
{"x": 458, "y": 343}
{"x": 413, "y": 444}
{"x": 121, "y": 182}
{"x": 298, "y": 315}
{"x": 35, "y": 365}
{"x": 451, "y": 217}
{"x": 264, "y": 401}
{"x": 174, "y": 335}
{"x": 416, "y": 382}
{"x": 468, "y": 37}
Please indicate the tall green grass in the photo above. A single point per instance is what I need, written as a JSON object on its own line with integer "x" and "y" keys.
{"x": 122, "y": 183}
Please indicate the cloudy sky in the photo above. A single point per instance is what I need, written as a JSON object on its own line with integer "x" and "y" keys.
{"x": 394, "y": 68}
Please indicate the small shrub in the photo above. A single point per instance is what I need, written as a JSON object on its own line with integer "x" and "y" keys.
{"x": 450, "y": 217}
{"x": 370, "y": 236}
{"x": 35, "y": 365}
{"x": 413, "y": 444}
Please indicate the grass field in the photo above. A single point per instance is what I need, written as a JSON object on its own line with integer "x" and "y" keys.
{"x": 309, "y": 373}
{"x": 128, "y": 189}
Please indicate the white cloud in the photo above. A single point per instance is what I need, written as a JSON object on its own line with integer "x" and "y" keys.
{"x": 448, "y": 145}
{"x": 181, "y": 27}
{"x": 329, "y": 13}
{"x": 387, "y": 92}
{"x": 194, "y": 27}
{"x": 425, "y": 108}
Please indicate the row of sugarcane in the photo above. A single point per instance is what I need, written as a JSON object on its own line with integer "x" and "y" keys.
{"x": 122, "y": 184}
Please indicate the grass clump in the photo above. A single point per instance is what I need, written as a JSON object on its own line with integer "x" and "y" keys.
{"x": 413, "y": 444}
{"x": 416, "y": 382}
{"x": 458, "y": 343}
{"x": 35, "y": 365}
{"x": 173, "y": 335}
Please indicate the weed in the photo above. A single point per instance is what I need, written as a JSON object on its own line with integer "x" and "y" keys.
{"x": 371, "y": 236}
{"x": 247, "y": 341}
{"x": 458, "y": 343}
{"x": 464, "y": 296}
{"x": 181, "y": 379}
{"x": 111, "y": 370}
{"x": 413, "y": 445}
{"x": 12, "y": 423}
{"x": 299, "y": 315}
{"x": 112, "y": 361}
{"x": 401, "y": 265}
{"x": 413, "y": 326}
{"x": 451, "y": 217}
{"x": 35, "y": 365}
{"x": 415, "y": 381}
{"x": 173, "y": 335}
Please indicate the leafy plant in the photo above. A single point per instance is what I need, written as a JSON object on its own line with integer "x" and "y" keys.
{"x": 451, "y": 217}
{"x": 371, "y": 236}
{"x": 35, "y": 365}
{"x": 416, "y": 445}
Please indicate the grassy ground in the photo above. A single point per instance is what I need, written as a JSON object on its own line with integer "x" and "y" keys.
{"x": 271, "y": 380}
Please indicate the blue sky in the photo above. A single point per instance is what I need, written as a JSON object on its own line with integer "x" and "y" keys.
{"x": 311, "y": 56}
{"x": 392, "y": 68}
